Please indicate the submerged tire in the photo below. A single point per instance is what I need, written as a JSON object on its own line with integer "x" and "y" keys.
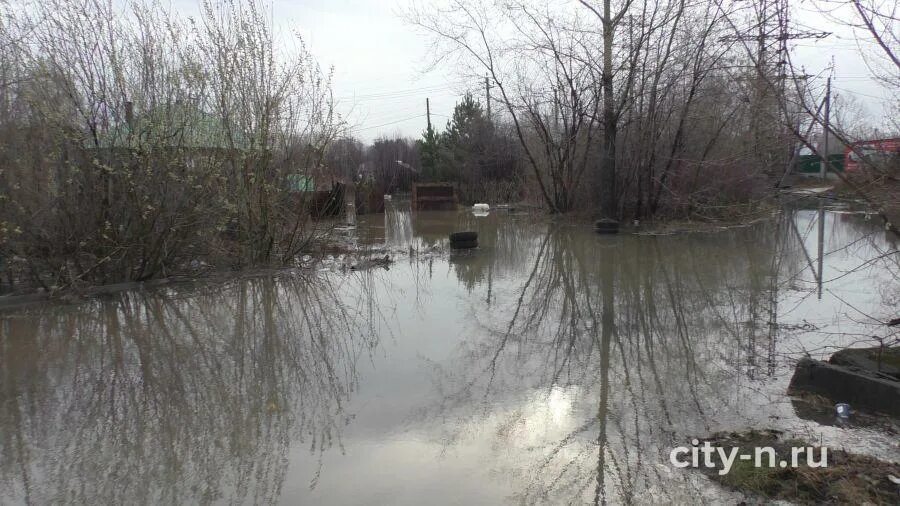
{"x": 463, "y": 237}
{"x": 606, "y": 226}
{"x": 464, "y": 244}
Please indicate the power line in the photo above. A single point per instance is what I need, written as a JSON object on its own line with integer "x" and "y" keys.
{"x": 394, "y": 95}
{"x": 387, "y": 124}
{"x": 859, "y": 93}
{"x": 387, "y": 84}
{"x": 401, "y": 93}
{"x": 398, "y": 98}
{"x": 388, "y": 114}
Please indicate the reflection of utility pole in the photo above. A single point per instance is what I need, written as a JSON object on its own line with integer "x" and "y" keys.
{"x": 821, "y": 244}
{"x": 802, "y": 243}
{"x": 824, "y": 164}
{"x": 428, "y": 113}
{"x": 773, "y": 300}
{"x": 773, "y": 323}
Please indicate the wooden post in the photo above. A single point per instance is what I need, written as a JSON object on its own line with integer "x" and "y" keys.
{"x": 823, "y": 167}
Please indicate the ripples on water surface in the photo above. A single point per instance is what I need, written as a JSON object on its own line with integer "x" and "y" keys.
{"x": 550, "y": 365}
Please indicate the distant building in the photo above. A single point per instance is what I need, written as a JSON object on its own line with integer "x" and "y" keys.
{"x": 883, "y": 154}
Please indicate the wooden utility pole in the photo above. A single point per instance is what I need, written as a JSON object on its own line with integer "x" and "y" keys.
{"x": 487, "y": 96}
{"x": 823, "y": 172}
{"x": 823, "y": 166}
{"x": 428, "y": 113}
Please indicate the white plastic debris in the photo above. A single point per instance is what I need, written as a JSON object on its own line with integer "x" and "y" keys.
{"x": 843, "y": 410}
{"x": 481, "y": 207}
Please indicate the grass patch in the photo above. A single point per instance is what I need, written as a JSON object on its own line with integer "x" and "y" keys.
{"x": 848, "y": 479}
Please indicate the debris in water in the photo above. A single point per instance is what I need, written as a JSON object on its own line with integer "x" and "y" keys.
{"x": 372, "y": 262}
{"x": 464, "y": 240}
{"x": 842, "y": 409}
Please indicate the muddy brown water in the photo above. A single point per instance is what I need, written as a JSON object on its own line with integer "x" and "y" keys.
{"x": 550, "y": 365}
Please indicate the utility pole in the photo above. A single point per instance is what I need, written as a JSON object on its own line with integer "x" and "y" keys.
{"x": 771, "y": 34}
{"x": 428, "y": 113}
{"x": 555, "y": 112}
{"x": 823, "y": 166}
{"x": 487, "y": 96}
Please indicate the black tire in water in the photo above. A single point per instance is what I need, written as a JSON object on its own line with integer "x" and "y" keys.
{"x": 464, "y": 244}
{"x": 463, "y": 236}
{"x": 606, "y": 226}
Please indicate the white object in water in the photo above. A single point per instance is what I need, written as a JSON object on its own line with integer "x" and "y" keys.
{"x": 481, "y": 207}
{"x": 480, "y": 214}
{"x": 843, "y": 410}
{"x": 387, "y": 197}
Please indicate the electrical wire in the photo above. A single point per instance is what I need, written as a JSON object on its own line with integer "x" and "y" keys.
{"x": 386, "y": 124}
{"x": 400, "y": 93}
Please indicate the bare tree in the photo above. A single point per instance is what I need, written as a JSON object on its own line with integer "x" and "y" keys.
{"x": 610, "y": 20}
{"x": 138, "y": 142}
{"x": 614, "y": 102}
{"x": 538, "y": 65}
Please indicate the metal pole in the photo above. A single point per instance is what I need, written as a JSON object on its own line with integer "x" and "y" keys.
{"x": 823, "y": 166}
{"x": 796, "y": 151}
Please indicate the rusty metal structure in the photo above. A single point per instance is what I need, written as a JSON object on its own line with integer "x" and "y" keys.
{"x": 434, "y": 197}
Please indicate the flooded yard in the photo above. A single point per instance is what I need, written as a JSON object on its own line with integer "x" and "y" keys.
{"x": 549, "y": 365}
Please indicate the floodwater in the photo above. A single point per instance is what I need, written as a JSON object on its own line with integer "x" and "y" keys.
{"x": 550, "y": 365}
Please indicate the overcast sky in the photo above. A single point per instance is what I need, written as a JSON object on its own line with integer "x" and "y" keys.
{"x": 379, "y": 62}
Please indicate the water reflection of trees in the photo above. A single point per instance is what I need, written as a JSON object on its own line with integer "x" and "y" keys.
{"x": 647, "y": 339}
{"x": 165, "y": 398}
{"x": 504, "y": 241}
{"x": 504, "y": 245}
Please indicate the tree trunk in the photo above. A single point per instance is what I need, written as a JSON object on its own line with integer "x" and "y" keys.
{"x": 607, "y": 177}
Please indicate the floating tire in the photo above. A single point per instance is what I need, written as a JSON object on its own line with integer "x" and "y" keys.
{"x": 606, "y": 226}
{"x": 464, "y": 244}
{"x": 463, "y": 237}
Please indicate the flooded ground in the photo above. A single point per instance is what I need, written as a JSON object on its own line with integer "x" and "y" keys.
{"x": 550, "y": 365}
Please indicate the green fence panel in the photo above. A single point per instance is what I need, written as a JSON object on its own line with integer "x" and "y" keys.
{"x": 809, "y": 164}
